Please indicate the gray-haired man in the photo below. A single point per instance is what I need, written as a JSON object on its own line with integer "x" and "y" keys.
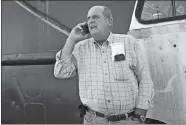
{"x": 114, "y": 80}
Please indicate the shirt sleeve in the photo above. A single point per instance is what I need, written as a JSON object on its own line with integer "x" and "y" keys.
{"x": 65, "y": 67}
{"x": 141, "y": 70}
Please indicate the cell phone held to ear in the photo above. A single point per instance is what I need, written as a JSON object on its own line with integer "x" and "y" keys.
{"x": 85, "y": 28}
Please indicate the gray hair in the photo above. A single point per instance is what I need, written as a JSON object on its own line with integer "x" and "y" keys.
{"x": 108, "y": 14}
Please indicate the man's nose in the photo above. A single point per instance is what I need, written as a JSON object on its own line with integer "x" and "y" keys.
{"x": 91, "y": 21}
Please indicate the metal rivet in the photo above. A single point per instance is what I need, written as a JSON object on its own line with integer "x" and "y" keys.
{"x": 13, "y": 102}
{"x": 174, "y": 45}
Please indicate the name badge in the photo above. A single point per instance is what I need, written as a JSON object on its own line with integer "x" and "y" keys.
{"x": 118, "y": 51}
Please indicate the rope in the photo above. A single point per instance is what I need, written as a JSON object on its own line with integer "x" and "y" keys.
{"x": 42, "y": 18}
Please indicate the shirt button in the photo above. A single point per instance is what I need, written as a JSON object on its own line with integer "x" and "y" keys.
{"x": 104, "y": 61}
{"x": 108, "y": 100}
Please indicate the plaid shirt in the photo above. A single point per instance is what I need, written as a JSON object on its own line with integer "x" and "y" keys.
{"x": 110, "y": 87}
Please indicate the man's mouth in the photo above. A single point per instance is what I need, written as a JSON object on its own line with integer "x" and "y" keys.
{"x": 92, "y": 27}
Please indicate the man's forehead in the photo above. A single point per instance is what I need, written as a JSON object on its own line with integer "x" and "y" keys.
{"x": 96, "y": 10}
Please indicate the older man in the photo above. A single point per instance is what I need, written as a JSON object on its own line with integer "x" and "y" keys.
{"x": 114, "y": 80}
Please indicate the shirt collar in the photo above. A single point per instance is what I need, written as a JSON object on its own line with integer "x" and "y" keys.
{"x": 109, "y": 39}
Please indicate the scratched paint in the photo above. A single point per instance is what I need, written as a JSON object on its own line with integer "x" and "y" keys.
{"x": 182, "y": 62}
{"x": 164, "y": 50}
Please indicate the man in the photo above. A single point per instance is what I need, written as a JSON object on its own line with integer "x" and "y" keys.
{"x": 113, "y": 88}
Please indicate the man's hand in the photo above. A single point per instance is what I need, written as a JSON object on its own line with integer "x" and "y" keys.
{"x": 137, "y": 120}
{"x": 77, "y": 34}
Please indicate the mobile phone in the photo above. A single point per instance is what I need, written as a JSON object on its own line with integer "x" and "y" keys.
{"x": 85, "y": 28}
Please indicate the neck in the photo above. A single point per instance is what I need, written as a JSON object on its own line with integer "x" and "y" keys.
{"x": 102, "y": 39}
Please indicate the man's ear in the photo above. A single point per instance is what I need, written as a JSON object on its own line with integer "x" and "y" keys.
{"x": 110, "y": 22}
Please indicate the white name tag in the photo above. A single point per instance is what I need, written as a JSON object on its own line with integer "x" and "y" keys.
{"x": 117, "y": 48}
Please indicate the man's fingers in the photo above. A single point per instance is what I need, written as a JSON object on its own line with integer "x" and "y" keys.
{"x": 78, "y": 32}
{"x": 86, "y": 36}
{"x": 79, "y": 27}
{"x": 81, "y": 24}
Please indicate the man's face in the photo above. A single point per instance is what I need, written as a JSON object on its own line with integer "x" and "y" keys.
{"x": 97, "y": 22}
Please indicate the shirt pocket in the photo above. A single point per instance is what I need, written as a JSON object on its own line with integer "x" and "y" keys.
{"x": 121, "y": 70}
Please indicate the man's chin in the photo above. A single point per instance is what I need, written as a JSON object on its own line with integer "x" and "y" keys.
{"x": 94, "y": 33}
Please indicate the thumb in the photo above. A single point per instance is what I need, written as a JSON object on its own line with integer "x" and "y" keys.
{"x": 86, "y": 36}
